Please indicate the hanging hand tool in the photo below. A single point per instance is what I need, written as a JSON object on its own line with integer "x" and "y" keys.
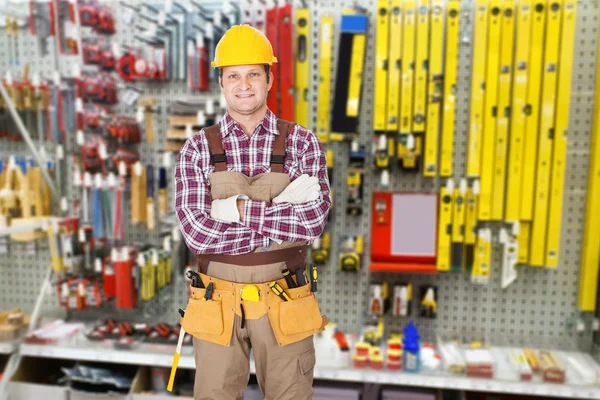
{"x": 324, "y": 93}
{"x": 163, "y": 206}
{"x": 471, "y": 224}
{"x": 421, "y": 68}
{"x": 286, "y": 62}
{"x": 408, "y": 67}
{"x": 450, "y": 91}
{"x": 177, "y": 354}
{"x": 150, "y": 222}
{"x": 559, "y": 152}
{"x": 302, "y": 66}
{"x": 382, "y": 49}
{"x": 444, "y": 249}
{"x": 458, "y": 226}
{"x": 478, "y": 88}
{"x": 483, "y": 257}
{"x": 148, "y": 103}
{"x": 278, "y": 290}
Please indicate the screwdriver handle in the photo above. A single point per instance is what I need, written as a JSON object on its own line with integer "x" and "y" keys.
{"x": 314, "y": 277}
{"x": 288, "y": 279}
{"x": 300, "y": 277}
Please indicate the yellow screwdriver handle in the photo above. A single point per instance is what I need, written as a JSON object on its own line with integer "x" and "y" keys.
{"x": 173, "y": 370}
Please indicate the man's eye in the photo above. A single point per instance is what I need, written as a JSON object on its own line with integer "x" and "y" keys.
{"x": 232, "y": 76}
{"x": 253, "y": 74}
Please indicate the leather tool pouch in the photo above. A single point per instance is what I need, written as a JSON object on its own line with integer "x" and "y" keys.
{"x": 295, "y": 319}
{"x": 210, "y": 320}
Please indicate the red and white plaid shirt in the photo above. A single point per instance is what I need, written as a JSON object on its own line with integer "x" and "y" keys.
{"x": 262, "y": 220}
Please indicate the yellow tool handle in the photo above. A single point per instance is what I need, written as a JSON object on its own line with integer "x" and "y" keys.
{"x": 149, "y": 118}
{"x": 173, "y": 370}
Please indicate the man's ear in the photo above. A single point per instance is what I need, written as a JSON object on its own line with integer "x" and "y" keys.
{"x": 270, "y": 81}
{"x": 221, "y": 82}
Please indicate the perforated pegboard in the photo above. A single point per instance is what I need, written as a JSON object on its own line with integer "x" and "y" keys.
{"x": 536, "y": 310}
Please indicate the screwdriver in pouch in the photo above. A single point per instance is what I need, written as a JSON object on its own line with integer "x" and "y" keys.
{"x": 288, "y": 279}
{"x": 300, "y": 277}
{"x": 313, "y": 275}
{"x": 278, "y": 290}
{"x": 196, "y": 281}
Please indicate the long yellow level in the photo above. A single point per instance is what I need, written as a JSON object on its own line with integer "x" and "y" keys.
{"x": 537, "y": 252}
{"x": 451, "y": 65}
{"x": 357, "y": 62}
{"x": 477, "y": 88}
{"x": 590, "y": 250}
{"x": 436, "y": 70}
{"x": 458, "y": 226}
{"x": 517, "y": 123}
{"x": 471, "y": 224}
{"x": 559, "y": 153}
{"x": 524, "y": 240}
{"x": 382, "y": 49}
{"x": 393, "y": 104}
{"x": 483, "y": 257}
{"x": 504, "y": 109}
{"x": 408, "y": 60}
{"x": 421, "y": 66}
{"x": 445, "y": 226}
{"x": 325, "y": 49}
{"x": 490, "y": 110}
{"x": 534, "y": 90}
{"x": 302, "y": 67}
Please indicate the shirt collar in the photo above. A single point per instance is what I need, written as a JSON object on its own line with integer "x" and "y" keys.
{"x": 227, "y": 124}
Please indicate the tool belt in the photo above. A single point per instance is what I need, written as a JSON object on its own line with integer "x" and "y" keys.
{"x": 212, "y": 319}
{"x": 294, "y": 257}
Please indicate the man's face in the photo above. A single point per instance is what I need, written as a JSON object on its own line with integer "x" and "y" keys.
{"x": 245, "y": 87}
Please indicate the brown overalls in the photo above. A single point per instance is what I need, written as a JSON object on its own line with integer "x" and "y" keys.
{"x": 226, "y": 327}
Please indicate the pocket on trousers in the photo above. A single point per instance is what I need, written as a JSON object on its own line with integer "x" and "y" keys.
{"x": 298, "y": 316}
{"x": 203, "y": 317}
{"x": 306, "y": 362}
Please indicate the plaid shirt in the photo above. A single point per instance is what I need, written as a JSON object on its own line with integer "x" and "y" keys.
{"x": 262, "y": 220}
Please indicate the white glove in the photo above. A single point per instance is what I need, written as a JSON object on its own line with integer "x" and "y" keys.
{"x": 305, "y": 188}
{"x": 226, "y": 209}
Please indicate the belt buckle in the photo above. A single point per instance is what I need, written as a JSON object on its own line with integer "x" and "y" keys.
{"x": 251, "y": 292}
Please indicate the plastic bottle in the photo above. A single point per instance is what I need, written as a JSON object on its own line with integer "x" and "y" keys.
{"x": 412, "y": 353}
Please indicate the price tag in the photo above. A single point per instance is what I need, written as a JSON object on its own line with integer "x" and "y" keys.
{"x": 141, "y": 260}
{"x": 97, "y": 265}
{"x": 60, "y": 153}
{"x": 122, "y": 168}
{"x": 82, "y": 235}
{"x": 188, "y": 131}
{"x": 102, "y": 151}
{"x": 64, "y": 204}
{"x": 167, "y": 243}
{"x": 154, "y": 257}
{"x": 138, "y": 168}
{"x": 166, "y": 159}
{"x": 139, "y": 114}
{"x": 8, "y": 78}
{"x": 201, "y": 118}
{"x": 98, "y": 180}
{"x": 176, "y": 234}
{"x": 87, "y": 180}
{"x": 112, "y": 181}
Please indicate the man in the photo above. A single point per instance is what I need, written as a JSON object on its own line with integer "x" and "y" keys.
{"x": 251, "y": 193}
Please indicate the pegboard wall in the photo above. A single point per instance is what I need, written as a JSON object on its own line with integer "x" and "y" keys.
{"x": 538, "y": 309}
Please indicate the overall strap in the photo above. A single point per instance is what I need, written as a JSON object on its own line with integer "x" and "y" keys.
{"x": 215, "y": 147}
{"x": 279, "y": 153}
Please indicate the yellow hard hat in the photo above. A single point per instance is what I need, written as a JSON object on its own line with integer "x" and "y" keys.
{"x": 243, "y": 45}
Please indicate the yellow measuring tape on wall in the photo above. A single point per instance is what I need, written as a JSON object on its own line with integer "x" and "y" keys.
{"x": 451, "y": 65}
{"x": 559, "y": 154}
{"x": 537, "y": 252}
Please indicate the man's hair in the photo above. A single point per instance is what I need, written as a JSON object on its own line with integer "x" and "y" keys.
{"x": 267, "y": 70}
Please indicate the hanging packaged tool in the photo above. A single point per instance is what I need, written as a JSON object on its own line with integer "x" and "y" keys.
{"x": 402, "y": 302}
{"x": 147, "y": 105}
{"x": 382, "y": 49}
{"x": 394, "y": 67}
{"x": 450, "y": 72}
{"x": 320, "y": 249}
{"x": 483, "y": 257}
{"x": 41, "y": 24}
{"x": 509, "y": 254}
{"x": 518, "y": 115}
{"x": 324, "y": 95}
{"x": 379, "y": 299}
{"x": 559, "y": 151}
{"x": 471, "y": 224}
{"x": 351, "y": 253}
{"x": 354, "y": 180}
{"x": 539, "y": 229}
{"x": 458, "y": 226}
{"x": 350, "y": 60}
{"x": 490, "y": 112}
{"x": 445, "y": 229}
{"x": 68, "y": 34}
{"x": 478, "y": 88}
{"x": 302, "y": 66}
{"x": 435, "y": 89}
{"x": 286, "y": 62}
{"x": 407, "y": 151}
{"x": 384, "y": 151}
{"x": 428, "y": 306}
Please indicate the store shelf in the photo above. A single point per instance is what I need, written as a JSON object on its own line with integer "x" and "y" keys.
{"x": 79, "y": 348}
{"x": 8, "y": 347}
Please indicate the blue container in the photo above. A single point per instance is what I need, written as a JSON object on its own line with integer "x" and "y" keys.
{"x": 411, "y": 358}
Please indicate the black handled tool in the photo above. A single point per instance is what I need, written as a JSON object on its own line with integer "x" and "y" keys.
{"x": 195, "y": 278}
{"x": 209, "y": 292}
{"x": 300, "y": 277}
{"x": 314, "y": 277}
{"x": 288, "y": 279}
